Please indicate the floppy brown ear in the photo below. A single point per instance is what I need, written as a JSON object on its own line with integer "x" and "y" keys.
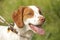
{"x": 18, "y": 17}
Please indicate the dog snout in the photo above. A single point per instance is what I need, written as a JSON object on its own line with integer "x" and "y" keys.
{"x": 42, "y": 19}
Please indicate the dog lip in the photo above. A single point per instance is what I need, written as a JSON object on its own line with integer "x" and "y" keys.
{"x": 36, "y": 25}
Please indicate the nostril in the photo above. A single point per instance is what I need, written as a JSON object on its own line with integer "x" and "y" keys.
{"x": 42, "y": 19}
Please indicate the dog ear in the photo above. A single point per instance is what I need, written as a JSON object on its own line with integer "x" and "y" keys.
{"x": 18, "y": 17}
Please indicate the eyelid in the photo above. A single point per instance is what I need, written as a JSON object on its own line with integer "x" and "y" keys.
{"x": 28, "y": 13}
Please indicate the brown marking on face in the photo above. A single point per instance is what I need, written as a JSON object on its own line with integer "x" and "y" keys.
{"x": 28, "y": 13}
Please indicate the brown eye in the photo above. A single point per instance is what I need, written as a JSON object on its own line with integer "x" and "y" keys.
{"x": 29, "y": 14}
{"x": 40, "y": 12}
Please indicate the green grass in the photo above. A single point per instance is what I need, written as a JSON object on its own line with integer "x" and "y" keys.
{"x": 49, "y": 8}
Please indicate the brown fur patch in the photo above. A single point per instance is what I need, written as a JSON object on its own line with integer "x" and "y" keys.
{"x": 28, "y": 13}
{"x": 18, "y": 17}
{"x": 22, "y": 14}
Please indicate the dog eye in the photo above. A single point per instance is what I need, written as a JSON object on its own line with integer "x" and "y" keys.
{"x": 29, "y": 14}
{"x": 40, "y": 12}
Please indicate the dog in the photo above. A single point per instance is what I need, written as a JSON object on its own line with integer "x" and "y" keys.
{"x": 27, "y": 21}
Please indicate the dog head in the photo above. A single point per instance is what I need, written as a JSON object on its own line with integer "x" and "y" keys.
{"x": 29, "y": 16}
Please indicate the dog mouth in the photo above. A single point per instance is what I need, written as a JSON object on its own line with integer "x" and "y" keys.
{"x": 37, "y": 28}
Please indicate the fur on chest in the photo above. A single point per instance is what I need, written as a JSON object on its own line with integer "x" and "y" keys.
{"x": 5, "y": 35}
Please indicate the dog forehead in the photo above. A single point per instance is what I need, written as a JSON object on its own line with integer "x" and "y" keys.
{"x": 34, "y": 8}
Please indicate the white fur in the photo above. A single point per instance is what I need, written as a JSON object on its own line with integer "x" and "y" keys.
{"x": 35, "y": 19}
{"x": 5, "y": 35}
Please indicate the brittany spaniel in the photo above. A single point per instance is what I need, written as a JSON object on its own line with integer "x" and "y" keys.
{"x": 27, "y": 20}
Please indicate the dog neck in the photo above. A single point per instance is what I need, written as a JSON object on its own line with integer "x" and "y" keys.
{"x": 24, "y": 33}
{"x": 19, "y": 30}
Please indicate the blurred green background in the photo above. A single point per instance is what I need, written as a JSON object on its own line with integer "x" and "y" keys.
{"x": 49, "y": 8}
